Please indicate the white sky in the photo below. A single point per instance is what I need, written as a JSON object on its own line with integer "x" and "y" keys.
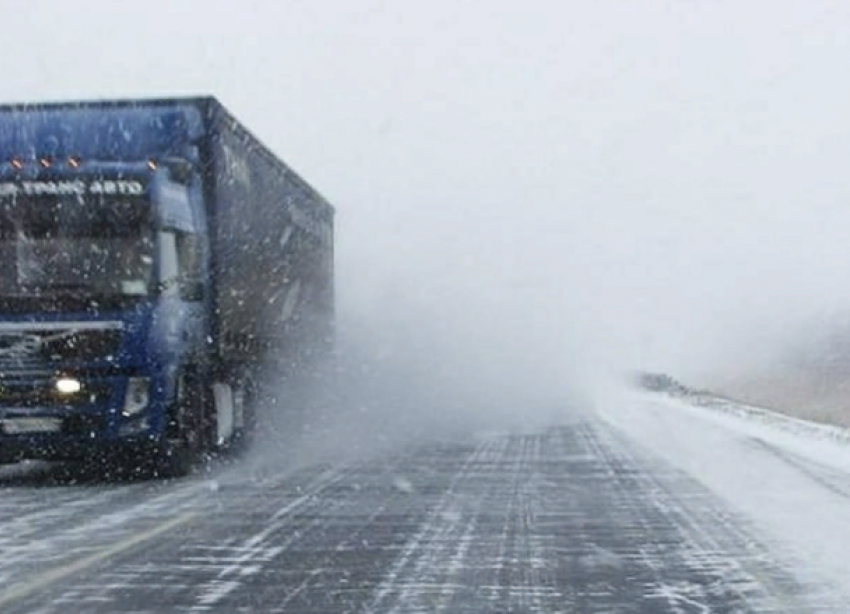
{"x": 661, "y": 183}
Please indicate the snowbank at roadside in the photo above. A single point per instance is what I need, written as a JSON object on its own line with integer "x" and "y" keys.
{"x": 820, "y": 442}
{"x": 787, "y": 478}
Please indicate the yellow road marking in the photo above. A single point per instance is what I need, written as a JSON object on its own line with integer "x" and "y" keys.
{"x": 60, "y": 573}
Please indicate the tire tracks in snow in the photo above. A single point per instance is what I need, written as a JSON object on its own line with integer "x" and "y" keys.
{"x": 574, "y": 519}
{"x": 834, "y": 480}
{"x": 726, "y": 562}
{"x": 569, "y": 519}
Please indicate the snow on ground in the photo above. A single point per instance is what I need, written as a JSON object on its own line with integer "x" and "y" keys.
{"x": 791, "y": 478}
{"x": 816, "y": 441}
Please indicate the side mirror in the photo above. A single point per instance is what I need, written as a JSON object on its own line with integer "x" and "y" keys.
{"x": 180, "y": 169}
{"x": 192, "y": 291}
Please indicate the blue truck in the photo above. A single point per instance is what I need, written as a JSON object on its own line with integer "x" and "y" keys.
{"x": 155, "y": 258}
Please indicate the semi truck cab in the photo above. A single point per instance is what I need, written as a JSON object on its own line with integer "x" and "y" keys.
{"x": 102, "y": 283}
{"x": 126, "y": 319}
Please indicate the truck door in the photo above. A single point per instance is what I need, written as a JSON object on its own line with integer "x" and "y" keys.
{"x": 183, "y": 290}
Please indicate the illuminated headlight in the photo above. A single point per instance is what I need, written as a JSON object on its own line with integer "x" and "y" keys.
{"x": 68, "y": 385}
{"x": 136, "y": 398}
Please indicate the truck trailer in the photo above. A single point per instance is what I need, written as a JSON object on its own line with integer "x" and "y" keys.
{"x": 155, "y": 257}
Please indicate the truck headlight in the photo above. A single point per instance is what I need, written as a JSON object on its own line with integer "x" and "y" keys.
{"x": 68, "y": 385}
{"x": 137, "y": 397}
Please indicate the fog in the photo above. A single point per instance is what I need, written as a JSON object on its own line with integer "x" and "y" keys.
{"x": 530, "y": 196}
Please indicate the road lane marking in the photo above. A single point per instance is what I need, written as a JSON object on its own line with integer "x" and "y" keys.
{"x": 60, "y": 573}
{"x": 19, "y": 592}
{"x": 253, "y": 548}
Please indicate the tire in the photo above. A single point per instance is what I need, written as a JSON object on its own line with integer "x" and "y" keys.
{"x": 173, "y": 460}
{"x": 143, "y": 461}
{"x": 178, "y": 451}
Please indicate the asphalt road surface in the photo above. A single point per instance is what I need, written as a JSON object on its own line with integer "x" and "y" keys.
{"x": 573, "y": 518}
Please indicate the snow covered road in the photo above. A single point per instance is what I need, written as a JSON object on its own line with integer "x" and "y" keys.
{"x": 650, "y": 506}
{"x": 788, "y": 477}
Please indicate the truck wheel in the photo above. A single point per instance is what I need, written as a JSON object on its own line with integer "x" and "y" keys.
{"x": 176, "y": 454}
{"x": 145, "y": 461}
{"x": 173, "y": 460}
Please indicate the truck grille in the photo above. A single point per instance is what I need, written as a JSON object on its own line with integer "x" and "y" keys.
{"x": 38, "y": 349}
{"x": 21, "y": 363}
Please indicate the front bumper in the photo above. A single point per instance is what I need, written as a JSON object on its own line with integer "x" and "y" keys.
{"x": 37, "y": 423}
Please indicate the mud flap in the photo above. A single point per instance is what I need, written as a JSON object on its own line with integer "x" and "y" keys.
{"x": 223, "y": 398}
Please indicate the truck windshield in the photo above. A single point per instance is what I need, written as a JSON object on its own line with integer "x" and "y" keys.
{"x": 51, "y": 246}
